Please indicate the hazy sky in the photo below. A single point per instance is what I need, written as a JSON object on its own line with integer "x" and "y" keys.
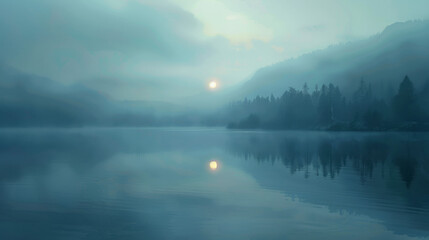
{"x": 168, "y": 50}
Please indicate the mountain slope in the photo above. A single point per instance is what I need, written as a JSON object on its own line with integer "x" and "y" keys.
{"x": 383, "y": 60}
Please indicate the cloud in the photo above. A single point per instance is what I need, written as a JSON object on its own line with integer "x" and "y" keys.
{"x": 84, "y": 41}
{"x": 219, "y": 19}
{"x": 129, "y": 49}
{"x": 143, "y": 30}
{"x": 278, "y": 49}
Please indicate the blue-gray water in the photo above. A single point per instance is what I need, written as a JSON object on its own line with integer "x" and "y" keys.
{"x": 157, "y": 184}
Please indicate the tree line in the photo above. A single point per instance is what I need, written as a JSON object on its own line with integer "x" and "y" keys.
{"x": 328, "y": 109}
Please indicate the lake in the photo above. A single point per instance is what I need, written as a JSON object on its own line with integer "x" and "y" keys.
{"x": 212, "y": 183}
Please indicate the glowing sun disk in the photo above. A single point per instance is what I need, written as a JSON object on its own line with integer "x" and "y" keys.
{"x": 213, "y": 84}
{"x": 213, "y": 165}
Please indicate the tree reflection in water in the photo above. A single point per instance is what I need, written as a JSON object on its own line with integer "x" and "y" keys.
{"x": 326, "y": 155}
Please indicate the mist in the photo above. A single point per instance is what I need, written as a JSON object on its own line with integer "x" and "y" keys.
{"x": 168, "y": 51}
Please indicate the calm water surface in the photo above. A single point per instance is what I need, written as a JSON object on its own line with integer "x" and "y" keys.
{"x": 158, "y": 184}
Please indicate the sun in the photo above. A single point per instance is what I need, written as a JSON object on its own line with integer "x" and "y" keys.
{"x": 213, "y": 84}
{"x": 213, "y": 165}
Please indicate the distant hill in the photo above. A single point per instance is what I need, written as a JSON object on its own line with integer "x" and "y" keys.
{"x": 32, "y": 101}
{"x": 382, "y": 60}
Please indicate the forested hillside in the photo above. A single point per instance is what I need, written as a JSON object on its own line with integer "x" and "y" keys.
{"x": 326, "y": 107}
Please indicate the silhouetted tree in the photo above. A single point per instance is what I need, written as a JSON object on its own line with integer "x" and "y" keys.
{"x": 404, "y": 105}
{"x": 325, "y": 106}
{"x": 328, "y": 108}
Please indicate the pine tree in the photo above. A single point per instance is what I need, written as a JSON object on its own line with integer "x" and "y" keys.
{"x": 404, "y": 103}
